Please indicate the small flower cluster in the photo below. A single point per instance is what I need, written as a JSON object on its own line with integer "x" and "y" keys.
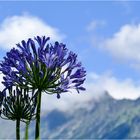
{"x": 16, "y": 104}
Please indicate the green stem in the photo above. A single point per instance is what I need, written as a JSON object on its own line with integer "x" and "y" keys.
{"x": 37, "y": 131}
{"x": 18, "y": 129}
{"x": 26, "y": 130}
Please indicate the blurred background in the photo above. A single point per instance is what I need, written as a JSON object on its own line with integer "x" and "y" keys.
{"x": 106, "y": 37}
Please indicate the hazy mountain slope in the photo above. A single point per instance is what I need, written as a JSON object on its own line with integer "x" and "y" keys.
{"x": 106, "y": 118}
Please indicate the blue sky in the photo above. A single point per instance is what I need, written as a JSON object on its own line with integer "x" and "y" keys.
{"x": 101, "y": 33}
{"x": 72, "y": 19}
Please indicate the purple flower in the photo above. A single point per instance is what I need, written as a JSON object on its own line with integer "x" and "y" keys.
{"x": 36, "y": 64}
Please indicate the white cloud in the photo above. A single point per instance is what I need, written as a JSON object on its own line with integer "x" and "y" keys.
{"x": 93, "y": 25}
{"x": 125, "y": 44}
{"x": 16, "y": 28}
{"x": 68, "y": 101}
{"x": 119, "y": 89}
{"x": 95, "y": 88}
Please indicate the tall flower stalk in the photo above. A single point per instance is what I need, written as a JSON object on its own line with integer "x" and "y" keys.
{"x": 38, "y": 65}
{"x": 37, "y": 130}
{"x": 26, "y": 130}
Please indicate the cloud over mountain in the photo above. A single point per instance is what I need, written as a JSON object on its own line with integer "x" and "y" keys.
{"x": 117, "y": 88}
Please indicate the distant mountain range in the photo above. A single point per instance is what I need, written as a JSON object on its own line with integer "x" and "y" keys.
{"x": 107, "y": 118}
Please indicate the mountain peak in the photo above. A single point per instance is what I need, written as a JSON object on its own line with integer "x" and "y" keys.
{"x": 107, "y": 96}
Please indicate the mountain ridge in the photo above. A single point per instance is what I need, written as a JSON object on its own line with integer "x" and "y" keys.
{"x": 104, "y": 118}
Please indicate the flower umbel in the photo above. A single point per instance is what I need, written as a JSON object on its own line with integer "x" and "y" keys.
{"x": 37, "y": 64}
{"x": 18, "y": 105}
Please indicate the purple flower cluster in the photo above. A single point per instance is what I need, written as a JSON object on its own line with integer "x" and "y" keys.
{"x": 37, "y": 64}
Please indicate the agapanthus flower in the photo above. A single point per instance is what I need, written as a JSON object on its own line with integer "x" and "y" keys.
{"x": 37, "y": 64}
{"x": 18, "y": 105}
